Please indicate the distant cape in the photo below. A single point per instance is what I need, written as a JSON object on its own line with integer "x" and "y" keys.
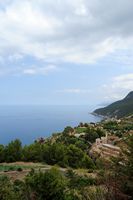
{"x": 119, "y": 108}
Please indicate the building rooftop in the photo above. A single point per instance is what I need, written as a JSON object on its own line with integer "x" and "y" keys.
{"x": 111, "y": 146}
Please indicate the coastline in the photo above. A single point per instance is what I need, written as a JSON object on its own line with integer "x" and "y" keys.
{"x": 104, "y": 117}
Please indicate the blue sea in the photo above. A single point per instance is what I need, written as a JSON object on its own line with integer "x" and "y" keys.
{"x": 31, "y": 122}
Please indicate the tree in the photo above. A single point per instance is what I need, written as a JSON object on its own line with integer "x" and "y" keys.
{"x": 77, "y": 158}
{"x": 55, "y": 154}
{"x": 91, "y": 135}
{"x": 100, "y": 132}
{"x": 13, "y": 151}
{"x": 81, "y": 124}
{"x": 7, "y": 189}
{"x": 68, "y": 130}
{"x": 50, "y": 185}
{"x": 33, "y": 152}
{"x": 2, "y": 153}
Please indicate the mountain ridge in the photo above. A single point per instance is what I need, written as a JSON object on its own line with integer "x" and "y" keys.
{"x": 118, "y": 109}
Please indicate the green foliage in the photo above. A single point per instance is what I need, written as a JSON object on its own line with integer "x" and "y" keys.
{"x": 81, "y": 129}
{"x": 78, "y": 142}
{"x": 111, "y": 125}
{"x": 2, "y": 153}
{"x": 127, "y": 126}
{"x": 122, "y": 172}
{"x": 91, "y": 135}
{"x": 79, "y": 182}
{"x": 68, "y": 130}
{"x": 55, "y": 154}
{"x": 64, "y": 155}
{"x": 68, "y": 151}
{"x": 14, "y": 167}
{"x": 33, "y": 152}
{"x": 97, "y": 193}
{"x": 77, "y": 158}
{"x": 74, "y": 156}
{"x": 7, "y": 189}
{"x": 49, "y": 185}
{"x": 13, "y": 151}
{"x": 100, "y": 132}
{"x": 67, "y": 140}
{"x": 81, "y": 144}
{"x": 129, "y": 154}
{"x": 118, "y": 129}
{"x": 86, "y": 162}
{"x": 19, "y": 169}
{"x": 120, "y": 108}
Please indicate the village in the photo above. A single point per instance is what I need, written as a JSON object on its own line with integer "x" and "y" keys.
{"x": 108, "y": 145}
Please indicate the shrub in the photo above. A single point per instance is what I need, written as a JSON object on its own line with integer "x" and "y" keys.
{"x": 19, "y": 169}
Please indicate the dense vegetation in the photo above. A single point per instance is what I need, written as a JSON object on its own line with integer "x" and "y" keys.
{"x": 118, "y": 109}
{"x": 51, "y": 185}
{"x": 57, "y": 153}
{"x": 114, "y": 180}
{"x": 62, "y": 149}
{"x": 82, "y": 177}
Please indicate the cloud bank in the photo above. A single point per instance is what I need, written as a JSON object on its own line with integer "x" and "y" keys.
{"x": 78, "y": 31}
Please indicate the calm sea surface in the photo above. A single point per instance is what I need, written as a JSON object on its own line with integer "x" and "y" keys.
{"x": 30, "y": 122}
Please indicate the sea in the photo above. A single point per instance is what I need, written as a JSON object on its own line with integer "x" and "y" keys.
{"x": 29, "y": 123}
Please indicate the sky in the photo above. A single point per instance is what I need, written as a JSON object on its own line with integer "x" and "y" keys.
{"x": 65, "y": 52}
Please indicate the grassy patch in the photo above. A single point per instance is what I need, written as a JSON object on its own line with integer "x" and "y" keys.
{"x": 9, "y": 168}
{"x": 12, "y": 167}
{"x": 81, "y": 129}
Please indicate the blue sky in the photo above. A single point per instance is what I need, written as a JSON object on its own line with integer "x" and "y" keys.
{"x": 65, "y": 52}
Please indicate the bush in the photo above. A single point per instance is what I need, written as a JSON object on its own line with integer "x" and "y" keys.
{"x": 49, "y": 185}
{"x": 91, "y": 135}
{"x": 19, "y": 169}
{"x": 68, "y": 130}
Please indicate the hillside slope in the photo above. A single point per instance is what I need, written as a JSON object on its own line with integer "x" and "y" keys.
{"x": 118, "y": 109}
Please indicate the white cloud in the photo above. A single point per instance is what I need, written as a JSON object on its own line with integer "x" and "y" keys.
{"x": 118, "y": 87}
{"x": 30, "y": 71}
{"x": 74, "y": 91}
{"x": 40, "y": 70}
{"x": 78, "y": 31}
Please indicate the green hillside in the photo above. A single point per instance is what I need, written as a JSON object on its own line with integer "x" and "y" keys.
{"x": 118, "y": 109}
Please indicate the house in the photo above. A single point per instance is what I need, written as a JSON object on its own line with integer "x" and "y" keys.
{"x": 105, "y": 146}
{"x": 109, "y": 150}
{"x": 102, "y": 140}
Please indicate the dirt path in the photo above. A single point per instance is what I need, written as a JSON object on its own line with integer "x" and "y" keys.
{"x": 14, "y": 175}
